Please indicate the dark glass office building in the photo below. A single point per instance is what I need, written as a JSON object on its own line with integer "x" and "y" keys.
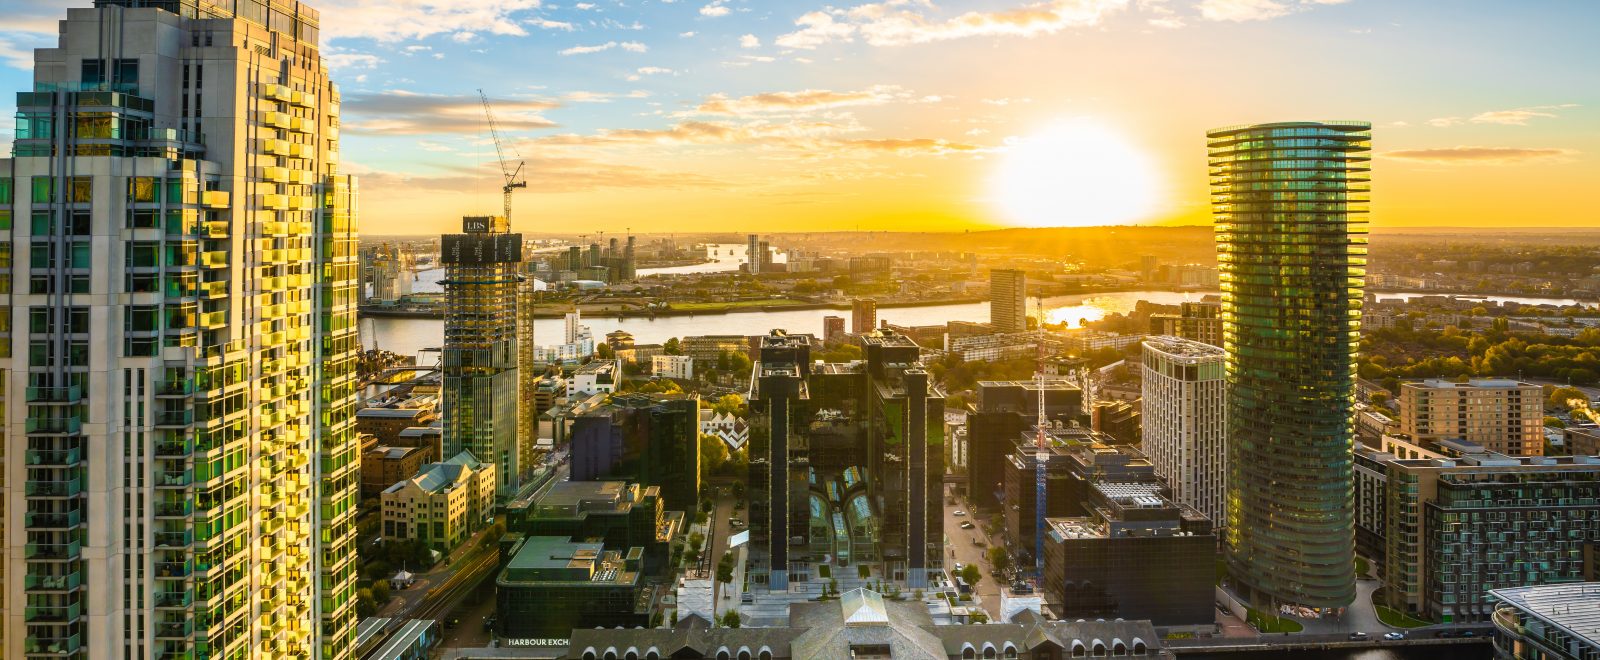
{"x": 1290, "y": 203}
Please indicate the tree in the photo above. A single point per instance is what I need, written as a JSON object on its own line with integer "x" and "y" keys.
{"x": 696, "y": 541}
{"x": 737, "y": 489}
{"x": 380, "y": 592}
{"x": 713, "y": 453}
{"x": 970, "y": 574}
{"x": 604, "y": 351}
{"x": 365, "y": 606}
{"x": 672, "y": 347}
{"x": 999, "y": 559}
{"x": 730, "y": 404}
{"x": 1566, "y": 398}
{"x": 725, "y": 568}
{"x": 731, "y": 619}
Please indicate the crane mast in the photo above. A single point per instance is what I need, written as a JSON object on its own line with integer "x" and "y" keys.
{"x": 513, "y": 175}
{"x": 1041, "y": 457}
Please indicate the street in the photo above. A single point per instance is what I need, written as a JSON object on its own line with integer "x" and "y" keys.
{"x": 960, "y": 548}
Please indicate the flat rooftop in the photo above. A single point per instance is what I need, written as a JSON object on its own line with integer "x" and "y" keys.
{"x": 1476, "y": 383}
{"x": 1572, "y": 608}
{"x": 1181, "y": 348}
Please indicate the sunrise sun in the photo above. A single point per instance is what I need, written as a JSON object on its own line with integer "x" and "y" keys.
{"x": 1074, "y": 173}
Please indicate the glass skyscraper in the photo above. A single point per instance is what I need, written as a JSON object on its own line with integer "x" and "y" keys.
{"x": 1290, "y": 203}
{"x": 481, "y": 402}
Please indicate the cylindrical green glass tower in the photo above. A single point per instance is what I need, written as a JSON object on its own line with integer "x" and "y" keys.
{"x": 1290, "y": 204}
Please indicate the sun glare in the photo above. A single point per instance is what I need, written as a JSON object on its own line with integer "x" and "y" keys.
{"x": 1075, "y": 173}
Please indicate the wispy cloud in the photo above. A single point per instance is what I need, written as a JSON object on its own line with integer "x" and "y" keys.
{"x": 630, "y": 46}
{"x": 1256, "y": 10}
{"x": 714, "y": 10}
{"x": 389, "y": 21}
{"x": 1481, "y": 155}
{"x": 554, "y": 175}
{"x": 1512, "y": 117}
{"x": 901, "y": 22}
{"x": 799, "y": 102}
{"x": 797, "y": 139}
{"x": 401, "y": 112}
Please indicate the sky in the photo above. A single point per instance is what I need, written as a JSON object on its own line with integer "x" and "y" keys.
{"x": 661, "y": 116}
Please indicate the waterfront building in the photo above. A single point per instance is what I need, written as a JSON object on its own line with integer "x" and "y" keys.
{"x": 1135, "y": 555}
{"x": 1501, "y": 415}
{"x": 678, "y": 367}
{"x": 863, "y": 624}
{"x": 442, "y": 505}
{"x": 391, "y": 274}
{"x": 1086, "y": 341}
{"x": 992, "y": 347}
{"x": 752, "y": 252}
{"x": 553, "y": 584}
{"x": 832, "y": 330}
{"x": 577, "y": 345}
{"x": 1183, "y": 416}
{"x": 182, "y": 392}
{"x": 846, "y": 462}
{"x": 1004, "y": 410}
{"x": 1290, "y": 203}
{"x": 1459, "y": 523}
{"x": 1547, "y": 622}
{"x": 706, "y": 348}
{"x": 1008, "y": 300}
{"x": 652, "y": 439}
{"x": 479, "y": 361}
{"x": 863, "y": 316}
{"x": 1196, "y": 320}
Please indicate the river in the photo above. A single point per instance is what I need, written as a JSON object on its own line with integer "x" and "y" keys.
{"x": 408, "y": 336}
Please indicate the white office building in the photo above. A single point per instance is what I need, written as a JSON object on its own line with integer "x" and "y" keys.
{"x": 1183, "y": 421}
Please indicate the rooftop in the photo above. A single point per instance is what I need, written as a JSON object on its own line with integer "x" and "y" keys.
{"x": 1573, "y": 608}
{"x": 1186, "y": 350}
{"x": 1476, "y": 383}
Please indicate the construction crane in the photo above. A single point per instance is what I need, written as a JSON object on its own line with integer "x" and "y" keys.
{"x": 513, "y": 176}
{"x": 1041, "y": 457}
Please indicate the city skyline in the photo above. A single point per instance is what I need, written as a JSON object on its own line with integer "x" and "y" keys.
{"x": 650, "y": 129}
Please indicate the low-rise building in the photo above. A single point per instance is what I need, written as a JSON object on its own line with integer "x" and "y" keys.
{"x": 863, "y": 624}
{"x": 706, "y": 348}
{"x": 1581, "y": 440}
{"x": 595, "y": 377}
{"x": 387, "y": 423}
{"x": 1136, "y": 555}
{"x": 621, "y": 515}
{"x": 553, "y": 584}
{"x": 443, "y": 505}
{"x": 680, "y": 367}
{"x": 731, "y": 429}
{"x": 427, "y": 437}
{"x": 1547, "y": 622}
{"x": 382, "y": 467}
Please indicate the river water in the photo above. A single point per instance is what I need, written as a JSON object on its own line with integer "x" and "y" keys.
{"x": 1475, "y": 652}
{"x": 408, "y": 336}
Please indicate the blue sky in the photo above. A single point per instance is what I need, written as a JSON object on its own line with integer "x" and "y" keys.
{"x": 717, "y": 114}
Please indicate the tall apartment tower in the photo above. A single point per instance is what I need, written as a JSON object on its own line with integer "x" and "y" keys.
{"x": 1183, "y": 427}
{"x": 1008, "y": 300}
{"x": 1289, "y": 200}
{"x": 527, "y": 377}
{"x": 180, "y": 472}
{"x": 1500, "y": 415}
{"x": 863, "y": 316}
{"x": 1197, "y": 320}
{"x": 752, "y": 254}
{"x": 481, "y": 402}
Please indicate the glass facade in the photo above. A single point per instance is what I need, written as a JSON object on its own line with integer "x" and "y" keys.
{"x": 1289, "y": 201}
{"x": 482, "y": 275}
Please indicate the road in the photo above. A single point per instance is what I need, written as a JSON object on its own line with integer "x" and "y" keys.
{"x": 472, "y": 561}
{"x": 717, "y": 544}
{"x": 960, "y": 548}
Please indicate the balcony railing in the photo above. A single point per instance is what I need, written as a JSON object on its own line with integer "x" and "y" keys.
{"x": 52, "y": 550}
{"x": 60, "y": 488}
{"x": 54, "y": 457}
{"x": 65, "y": 520}
{"x": 176, "y": 387}
{"x": 53, "y": 613}
{"x": 71, "y": 394}
{"x": 60, "y": 425}
{"x": 66, "y": 582}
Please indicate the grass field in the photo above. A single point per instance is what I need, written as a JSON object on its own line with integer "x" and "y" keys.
{"x": 1270, "y": 624}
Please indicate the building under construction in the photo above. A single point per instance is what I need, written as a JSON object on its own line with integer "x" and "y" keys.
{"x": 479, "y": 363}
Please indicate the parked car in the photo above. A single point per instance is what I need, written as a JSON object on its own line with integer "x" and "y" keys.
{"x": 1445, "y": 635}
{"x": 1358, "y": 636}
{"x": 958, "y": 512}
{"x": 1394, "y": 636}
{"x": 967, "y": 524}
{"x": 1468, "y": 633}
